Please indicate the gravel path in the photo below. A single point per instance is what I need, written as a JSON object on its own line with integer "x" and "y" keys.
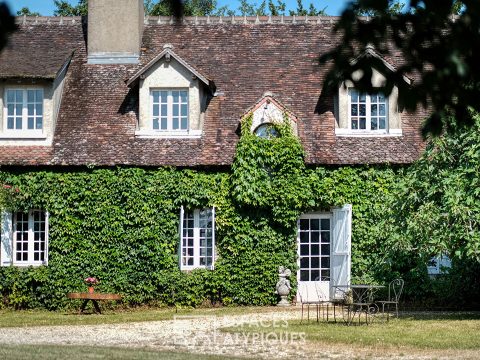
{"x": 201, "y": 334}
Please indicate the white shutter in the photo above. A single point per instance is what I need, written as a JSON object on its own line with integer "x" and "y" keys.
{"x": 47, "y": 230}
{"x": 214, "y": 253}
{"x": 6, "y": 250}
{"x": 180, "y": 232}
{"x": 340, "y": 256}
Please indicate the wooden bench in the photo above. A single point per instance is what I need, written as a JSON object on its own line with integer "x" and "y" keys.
{"x": 94, "y": 298}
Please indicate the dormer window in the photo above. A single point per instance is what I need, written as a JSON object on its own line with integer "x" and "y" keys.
{"x": 173, "y": 97}
{"x": 368, "y": 112}
{"x": 23, "y": 111}
{"x": 169, "y": 110}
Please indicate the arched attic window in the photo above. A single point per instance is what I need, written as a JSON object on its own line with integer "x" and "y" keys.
{"x": 266, "y": 131}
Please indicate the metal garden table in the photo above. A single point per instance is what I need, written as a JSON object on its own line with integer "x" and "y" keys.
{"x": 359, "y": 298}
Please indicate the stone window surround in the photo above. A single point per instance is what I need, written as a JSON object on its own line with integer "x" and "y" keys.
{"x": 170, "y": 74}
{"x": 342, "y": 109}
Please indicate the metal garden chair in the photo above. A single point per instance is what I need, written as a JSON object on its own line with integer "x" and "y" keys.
{"x": 395, "y": 289}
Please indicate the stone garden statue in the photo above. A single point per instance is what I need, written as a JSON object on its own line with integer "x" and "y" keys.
{"x": 283, "y": 286}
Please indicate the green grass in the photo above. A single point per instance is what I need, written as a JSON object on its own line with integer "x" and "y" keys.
{"x": 11, "y": 318}
{"x": 51, "y": 352}
{"x": 419, "y": 331}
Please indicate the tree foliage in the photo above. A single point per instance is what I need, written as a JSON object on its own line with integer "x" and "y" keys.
{"x": 7, "y": 24}
{"x": 25, "y": 11}
{"x": 438, "y": 205}
{"x": 433, "y": 46}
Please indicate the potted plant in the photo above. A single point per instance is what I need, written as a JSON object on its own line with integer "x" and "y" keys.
{"x": 91, "y": 283}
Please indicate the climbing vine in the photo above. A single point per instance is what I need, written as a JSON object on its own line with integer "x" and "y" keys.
{"x": 121, "y": 225}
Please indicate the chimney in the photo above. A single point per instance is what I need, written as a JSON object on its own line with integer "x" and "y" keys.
{"x": 115, "y": 29}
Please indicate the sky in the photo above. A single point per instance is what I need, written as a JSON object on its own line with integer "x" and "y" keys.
{"x": 46, "y": 7}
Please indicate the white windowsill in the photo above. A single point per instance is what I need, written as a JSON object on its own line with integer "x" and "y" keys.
{"x": 23, "y": 135}
{"x": 191, "y": 134}
{"x": 364, "y": 133}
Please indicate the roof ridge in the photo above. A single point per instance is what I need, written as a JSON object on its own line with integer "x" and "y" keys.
{"x": 191, "y": 20}
{"x": 56, "y": 20}
{"x": 242, "y": 20}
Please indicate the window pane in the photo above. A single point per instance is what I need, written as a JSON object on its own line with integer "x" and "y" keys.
{"x": 304, "y": 250}
{"x": 11, "y": 109}
{"x": 164, "y": 124}
{"x": 10, "y": 96}
{"x": 18, "y": 123}
{"x": 315, "y": 262}
{"x": 363, "y": 123}
{"x": 325, "y": 249}
{"x": 315, "y": 249}
{"x": 18, "y": 109}
{"x": 325, "y": 262}
{"x": 175, "y": 110}
{"x": 354, "y": 110}
{"x": 155, "y": 124}
{"x": 314, "y": 237}
{"x": 304, "y": 225}
{"x": 362, "y": 98}
{"x": 164, "y": 96}
{"x": 10, "y": 123}
{"x": 354, "y": 95}
{"x": 374, "y": 109}
{"x": 30, "y": 123}
{"x": 325, "y": 223}
{"x": 382, "y": 109}
{"x": 39, "y": 95}
{"x": 164, "y": 110}
{"x": 304, "y": 237}
{"x": 156, "y": 110}
{"x": 156, "y": 96}
{"x": 314, "y": 275}
{"x": 325, "y": 237}
{"x": 314, "y": 224}
{"x": 304, "y": 275}
{"x": 18, "y": 96}
{"x": 31, "y": 96}
{"x": 175, "y": 95}
{"x": 304, "y": 263}
{"x": 184, "y": 110}
{"x": 382, "y": 124}
{"x": 175, "y": 124}
{"x": 184, "y": 123}
{"x": 363, "y": 110}
{"x": 373, "y": 123}
{"x": 355, "y": 124}
{"x": 183, "y": 95}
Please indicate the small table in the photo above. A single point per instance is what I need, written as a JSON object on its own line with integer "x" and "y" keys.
{"x": 94, "y": 298}
{"x": 361, "y": 298}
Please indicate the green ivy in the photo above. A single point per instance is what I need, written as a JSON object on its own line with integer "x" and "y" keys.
{"x": 121, "y": 225}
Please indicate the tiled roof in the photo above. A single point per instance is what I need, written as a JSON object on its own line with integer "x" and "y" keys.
{"x": 99, "y": 112}
{"x": 38, "y": 50}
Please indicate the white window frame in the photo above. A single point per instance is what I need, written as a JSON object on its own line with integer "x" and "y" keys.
{"x": 368, "y": 116}
{"x": 24, "y": 132}
{"x": 169, "y": 129}
{"x": 9, "y": 243}
{"x": 196, "y": 240}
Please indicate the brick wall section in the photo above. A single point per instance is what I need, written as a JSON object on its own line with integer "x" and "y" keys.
{"x": 98, "y": 115}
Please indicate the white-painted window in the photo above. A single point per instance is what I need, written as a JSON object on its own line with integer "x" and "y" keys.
{"x": 367, "y": 112}
{"x": 24, "y": 238}
{"x": 23, "y": 111}
{"x": 314, "y": 237}
{"x": 197, "y": 238}
{"x": 169, "y": 110}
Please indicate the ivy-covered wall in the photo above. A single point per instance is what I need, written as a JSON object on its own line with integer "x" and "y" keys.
{"x": 121, "y": 225}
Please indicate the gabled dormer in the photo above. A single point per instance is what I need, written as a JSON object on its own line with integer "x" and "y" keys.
{"x": 173, "y": 97}
{"x": 267, "y": 112}
{"x": 367, "y": 115}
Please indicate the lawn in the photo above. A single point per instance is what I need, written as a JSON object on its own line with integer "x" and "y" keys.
{"x": 44, "y": 352}
{"x": 11, "y": 318}
{"x": 435, "y": 331}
